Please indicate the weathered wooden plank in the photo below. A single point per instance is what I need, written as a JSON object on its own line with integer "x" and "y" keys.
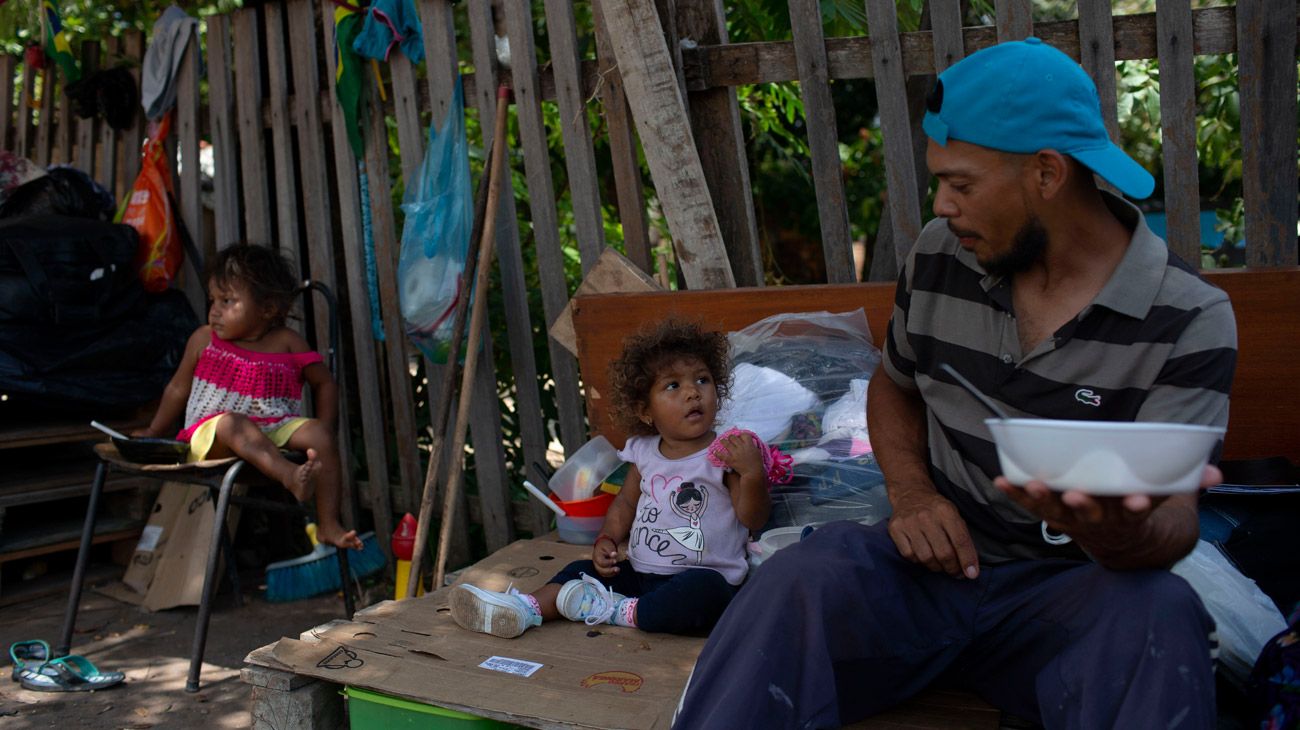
{"x": 1097, "y": 56}
{"x": 86, "y": 136}
{"x": 823, "y": 139}
{"x": 659, "y": 113}
{"x": 320, "y": 248}
{"x": 628, "y": 187}
{"x": 735, "y": 64}
{"x": 287, "y": 230}
{"x": 106, "y": 166}
{"x": 225, "y": 143}
{"x": 1178, "y": 129}
{"x": 254, "y": 179}
{"x": 1266, "y": 35}
{"x": 550, "y": 265}
{"x": 189, "y": 186}
{"x": 398, "y": 356}
{"x": 41, "y": 155}
{"x": 715, "y": 122}
{"x": 895, "y": 126}
{"x": 25, "y": 131}
{"x": 8, "y": 67}
{"x": 441, "y": 64}
{"x": 579, "y": 155}
{"x": 369, "y": 387}
{"x": 1015, "y": 19}
{"x": 133, "y": 136}
{"x": 946, "y": 24}
{"x": 489, "y": 455}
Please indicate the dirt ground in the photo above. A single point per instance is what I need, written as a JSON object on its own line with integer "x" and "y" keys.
{"x": 153, "y": 650}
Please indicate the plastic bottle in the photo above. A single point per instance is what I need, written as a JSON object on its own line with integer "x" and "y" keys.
{"x": 403, "y": 545}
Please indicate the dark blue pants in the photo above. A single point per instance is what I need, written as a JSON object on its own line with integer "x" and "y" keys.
{"x": 840, "y": 627}
{"x": 688, "y": 602}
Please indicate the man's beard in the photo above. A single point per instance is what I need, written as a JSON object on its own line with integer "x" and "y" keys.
{"x": 1027, "y": 249}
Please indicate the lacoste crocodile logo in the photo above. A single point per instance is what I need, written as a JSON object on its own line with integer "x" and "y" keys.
{"x": 626, "y": 681}
{"x": 1087, "y": 397}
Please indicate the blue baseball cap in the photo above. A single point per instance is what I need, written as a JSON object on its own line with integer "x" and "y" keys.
{"x": 1026, "y": 96}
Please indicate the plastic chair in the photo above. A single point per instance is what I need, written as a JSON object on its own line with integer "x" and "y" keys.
{"x": 220, "y": 477}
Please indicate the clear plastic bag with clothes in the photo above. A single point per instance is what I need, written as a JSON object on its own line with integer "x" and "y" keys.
{"x": 438, "y": 205}
{"x": 799, "y": 380}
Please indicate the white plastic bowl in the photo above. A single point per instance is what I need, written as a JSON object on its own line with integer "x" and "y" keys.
{"x": 1104, "y": 457}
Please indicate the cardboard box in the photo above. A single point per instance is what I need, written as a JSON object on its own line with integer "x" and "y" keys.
{"x": 171, "y": 558}
{"x": 559, "y": 674}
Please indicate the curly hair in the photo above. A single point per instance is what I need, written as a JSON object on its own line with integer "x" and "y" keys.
{"x": 265, "y": 272}
{"x": 651, "y": 349}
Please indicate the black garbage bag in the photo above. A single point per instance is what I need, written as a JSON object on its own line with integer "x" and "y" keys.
{"x": 66, "y": 270}
{"x": 62, "y": 191}
{"x": 92, "y": 368}
{"x": 76, "y": 328}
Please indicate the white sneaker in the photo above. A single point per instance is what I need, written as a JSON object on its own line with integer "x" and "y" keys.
{"x": 587, "y": 600}
{"x": 506, "y": 614}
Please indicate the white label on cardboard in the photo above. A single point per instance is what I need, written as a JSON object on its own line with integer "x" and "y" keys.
{"x": 511, "y": 666}
{"x": 149, "y": 538}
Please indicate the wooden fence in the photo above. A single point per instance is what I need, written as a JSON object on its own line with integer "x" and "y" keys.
{"x": 285, "y": 173}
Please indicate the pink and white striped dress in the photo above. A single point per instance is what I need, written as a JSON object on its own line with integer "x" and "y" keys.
{"x": 266, "y": 387}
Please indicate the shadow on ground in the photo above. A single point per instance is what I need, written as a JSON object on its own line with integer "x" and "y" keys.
{"x": 153, "y": 650}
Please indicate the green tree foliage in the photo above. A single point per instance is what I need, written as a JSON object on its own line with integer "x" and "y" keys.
{"x": 93, "y": 19}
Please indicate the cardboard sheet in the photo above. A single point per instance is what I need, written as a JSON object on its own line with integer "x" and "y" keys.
{"x": 585, "y": 677}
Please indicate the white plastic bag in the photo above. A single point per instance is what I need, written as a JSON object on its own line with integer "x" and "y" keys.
{"x": 1246, "y": 616}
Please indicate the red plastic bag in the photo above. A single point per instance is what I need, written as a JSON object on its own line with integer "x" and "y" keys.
{"x": 149, "y": 211}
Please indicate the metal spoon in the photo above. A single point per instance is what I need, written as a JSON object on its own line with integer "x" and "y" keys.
{"x": 970, "y": 387}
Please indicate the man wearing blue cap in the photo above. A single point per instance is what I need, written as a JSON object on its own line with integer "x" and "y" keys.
{"x": 1056, "y": 299}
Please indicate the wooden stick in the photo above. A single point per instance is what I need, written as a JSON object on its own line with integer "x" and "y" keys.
{"x": 478, "y": 314}
{"x": 446, "y": 387}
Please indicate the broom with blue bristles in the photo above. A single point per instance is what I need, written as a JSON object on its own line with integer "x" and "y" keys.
{"x": 318, "y": 571}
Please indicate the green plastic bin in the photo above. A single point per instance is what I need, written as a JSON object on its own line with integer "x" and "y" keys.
{"x": 369, "y": 710}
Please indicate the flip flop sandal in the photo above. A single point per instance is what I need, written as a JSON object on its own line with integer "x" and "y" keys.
{"x": 45, "y": 677}
{"x": 84, "y": 671}
{"x": 24, "y": 652}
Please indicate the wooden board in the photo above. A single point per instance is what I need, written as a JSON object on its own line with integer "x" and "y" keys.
{"x": 823, "y": 140}
{"x": 225, "y": 142}
{"x": 579, "y": 154}
{"x": 1178, "y": 130}
{"x": 735, "y": 64}
{"x": 1015, "y": 20}
{"x": 895, "y": 127}
{"x": 659, "y": 111}
{"x": 628, "y": 186}
{"x": 550, "y": 259}
{"x": 720, "y": 139}
{"x": 369, "y": 387}
{"x": 254, "y": 179}
{"x": 1265, "y": 411}
{"x": 1266, "y": 33}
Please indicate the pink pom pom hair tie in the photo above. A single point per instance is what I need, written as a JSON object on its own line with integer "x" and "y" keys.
{"x": 778, "y": 465}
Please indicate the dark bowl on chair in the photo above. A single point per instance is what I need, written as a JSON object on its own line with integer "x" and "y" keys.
{"x": 152, "y": 451}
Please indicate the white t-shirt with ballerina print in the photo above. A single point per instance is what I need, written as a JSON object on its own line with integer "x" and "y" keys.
{"x": 684, "y": 518}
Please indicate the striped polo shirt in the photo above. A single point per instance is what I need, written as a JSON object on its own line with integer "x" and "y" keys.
{"x": 1158, "y": 343}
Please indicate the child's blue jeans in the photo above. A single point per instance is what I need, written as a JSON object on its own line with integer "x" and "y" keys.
{"x": 688, "y": 602}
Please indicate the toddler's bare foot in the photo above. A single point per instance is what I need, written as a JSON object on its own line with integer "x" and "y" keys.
{"x": 334, "y": 535}
{"x": 301, "y": 482}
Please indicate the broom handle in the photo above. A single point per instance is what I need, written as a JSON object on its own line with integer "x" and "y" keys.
{"x": 441, "y": 405}
{"x": 477, "y": 315}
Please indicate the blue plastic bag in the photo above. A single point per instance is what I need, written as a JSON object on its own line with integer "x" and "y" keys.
{"x": 435, "y": 235}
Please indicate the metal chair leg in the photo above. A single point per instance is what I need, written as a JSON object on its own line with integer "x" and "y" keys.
{"x": 83, "y": 557}
{"x": 210, "y": 577}
{"x": 232, "y": 570}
